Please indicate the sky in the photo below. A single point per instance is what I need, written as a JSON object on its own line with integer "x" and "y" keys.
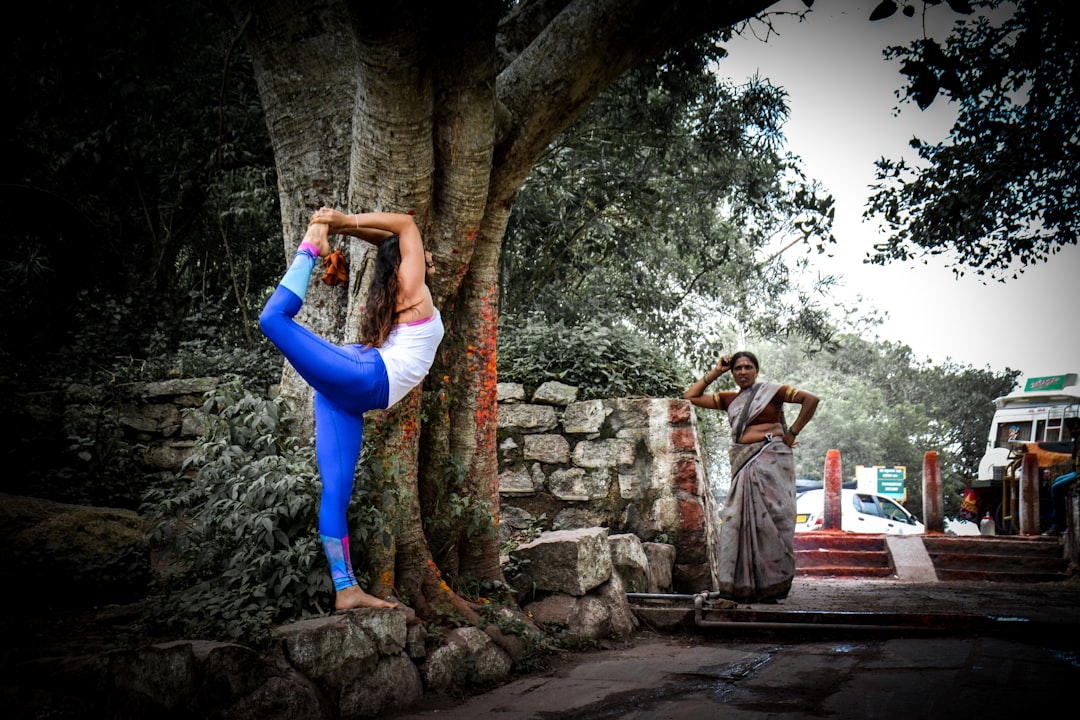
{"x": 842, "y": 96}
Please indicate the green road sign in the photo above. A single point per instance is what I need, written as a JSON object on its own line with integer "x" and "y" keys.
{"x": 890, "y": 481}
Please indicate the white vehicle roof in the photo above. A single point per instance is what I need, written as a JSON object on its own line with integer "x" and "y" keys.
{"x": 1067, "y": 393}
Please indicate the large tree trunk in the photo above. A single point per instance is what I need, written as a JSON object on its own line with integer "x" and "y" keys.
{"x": 305, "y": 67}
{"x": 437, "y": 109}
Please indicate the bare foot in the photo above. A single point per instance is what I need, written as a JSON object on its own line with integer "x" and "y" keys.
{"x": 353, "y": 597}
{"x": 335, "y": 220}
{"x": 316, "y": 235}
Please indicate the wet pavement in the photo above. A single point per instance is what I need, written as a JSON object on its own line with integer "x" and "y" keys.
{"x": 835, "y": 648}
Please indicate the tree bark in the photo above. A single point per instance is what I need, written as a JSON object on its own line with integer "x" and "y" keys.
{"x": 305, "y": 69}
{"x": 434, "y": 109}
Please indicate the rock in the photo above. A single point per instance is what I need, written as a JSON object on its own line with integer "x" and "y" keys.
{"x": 661, "y": 561}
{"x": 603, "y": 613}
{"x": 510, "y": 392}
{"x": 554, "y": 392}
{"x": 569, "y": 561}
{"x": 630, "y": 562}
{"x": 467, "y": 658}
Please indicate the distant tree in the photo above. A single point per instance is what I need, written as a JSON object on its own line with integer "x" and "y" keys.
{"x": 959, "y": 405}
{"x": 864, "y": 411}
{"x": 1002, "y": 192}
{"x": 880, "y": 406}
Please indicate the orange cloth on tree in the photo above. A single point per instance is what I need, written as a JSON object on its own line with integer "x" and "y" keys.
{"x": 337, "y": 269}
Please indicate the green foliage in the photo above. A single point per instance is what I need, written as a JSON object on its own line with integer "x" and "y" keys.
{"x": 104, "y": 465}
{"x": 1002, "y": 190}
{"x": 880, "y": 406}
{"x": 237, "y": 531}
{"x": 83, "y": 455}
{"x": 538, "y": 646}
{"x": 452, "y": 517}
{"x": 602, "y": 361}
{"x": 655, "y": 210}
{"x": 139, "y": 140}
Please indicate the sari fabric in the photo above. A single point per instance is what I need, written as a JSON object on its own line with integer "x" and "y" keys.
{"x": 757, "y": 530}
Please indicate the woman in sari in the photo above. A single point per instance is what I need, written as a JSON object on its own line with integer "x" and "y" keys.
{"x": 757, "y": 531}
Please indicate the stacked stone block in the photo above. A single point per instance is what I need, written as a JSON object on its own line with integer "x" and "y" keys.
{"x": 631, "y": 465}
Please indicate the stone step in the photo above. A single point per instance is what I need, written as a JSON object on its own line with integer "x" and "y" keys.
{"x": 839, "y": 554}
{"x": 998, "y": 559}
{"x": 1018, "y": 546}
{"x": 986, "y": 575}
{"x": 839, "y": 540}
{"x": 1001, "y": 562}
{"x": 848, "y": 571}
{"x": 841, "y": 558}
{"x": 990, "y": 559}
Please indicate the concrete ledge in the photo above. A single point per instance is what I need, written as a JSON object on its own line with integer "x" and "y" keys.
{"x": 909, "y": 556}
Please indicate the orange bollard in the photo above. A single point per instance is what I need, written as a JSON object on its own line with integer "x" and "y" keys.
{"x": 933, "y": 499}
{"x": 834, "y": 480}
{"x": 1029, "y": 495}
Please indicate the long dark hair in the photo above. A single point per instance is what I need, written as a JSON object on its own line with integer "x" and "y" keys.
{"x": 381, "y": 307}
{"x": 749, "y": 356}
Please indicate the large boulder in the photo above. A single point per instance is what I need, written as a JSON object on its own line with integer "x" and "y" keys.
{"x": 630, "y": 561}
{"x": 467, "y": 658}
{"x": 98, "y": 551}
{"x": 567, "y": 561}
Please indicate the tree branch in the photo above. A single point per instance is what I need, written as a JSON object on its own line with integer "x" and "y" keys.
{"x": 581, "y": 51}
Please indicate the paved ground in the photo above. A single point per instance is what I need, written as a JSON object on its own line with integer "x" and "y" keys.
{"x": 982, "y": 650}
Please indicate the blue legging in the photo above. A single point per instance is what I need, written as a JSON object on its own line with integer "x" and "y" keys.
{"x": 348, "y": 381}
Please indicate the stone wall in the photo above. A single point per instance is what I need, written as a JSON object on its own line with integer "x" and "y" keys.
{"x": 162, "y": 418}
{"x": 631, "y": 465}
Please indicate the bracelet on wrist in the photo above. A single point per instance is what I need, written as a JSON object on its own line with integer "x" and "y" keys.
{"x": 793, "y": 433}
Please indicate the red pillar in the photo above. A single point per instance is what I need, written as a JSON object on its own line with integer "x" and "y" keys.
{"x": 834, "y": 480}
{"x": 933, "y": 498}
{"x": 1029, "y": 495}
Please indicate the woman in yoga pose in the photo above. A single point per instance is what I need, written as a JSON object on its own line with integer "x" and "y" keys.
{"x": 399, "y": 334}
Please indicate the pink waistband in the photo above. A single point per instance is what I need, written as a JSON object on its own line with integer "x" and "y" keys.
{"x": 414, "y": 323}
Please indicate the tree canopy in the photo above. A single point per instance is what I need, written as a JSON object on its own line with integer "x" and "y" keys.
{"x": 138, "y": 187}
{"x": 1001, "y": 192}
{"x": 656, "y": 207}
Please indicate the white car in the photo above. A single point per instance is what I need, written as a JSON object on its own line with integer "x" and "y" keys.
{"x": 860, "y": 512}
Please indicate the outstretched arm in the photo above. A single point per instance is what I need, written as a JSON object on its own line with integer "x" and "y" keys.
{"x": 341, "y": 224}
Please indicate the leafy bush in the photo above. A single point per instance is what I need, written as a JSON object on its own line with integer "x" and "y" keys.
{"x": 238, "y": 537}
{"x": 601, "y": 361}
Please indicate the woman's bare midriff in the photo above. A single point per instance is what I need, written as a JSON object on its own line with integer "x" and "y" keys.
{"x": 420, "y": 308}
{"x": 757, "y": 433}
{"x": 412, "y": 315}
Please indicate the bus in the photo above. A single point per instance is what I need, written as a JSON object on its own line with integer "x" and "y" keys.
{"x": 1033, "y": 421}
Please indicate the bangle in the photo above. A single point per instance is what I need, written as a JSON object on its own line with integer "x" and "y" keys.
{"x": 357, "y": 216}
{"x": 793, "y": 433}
